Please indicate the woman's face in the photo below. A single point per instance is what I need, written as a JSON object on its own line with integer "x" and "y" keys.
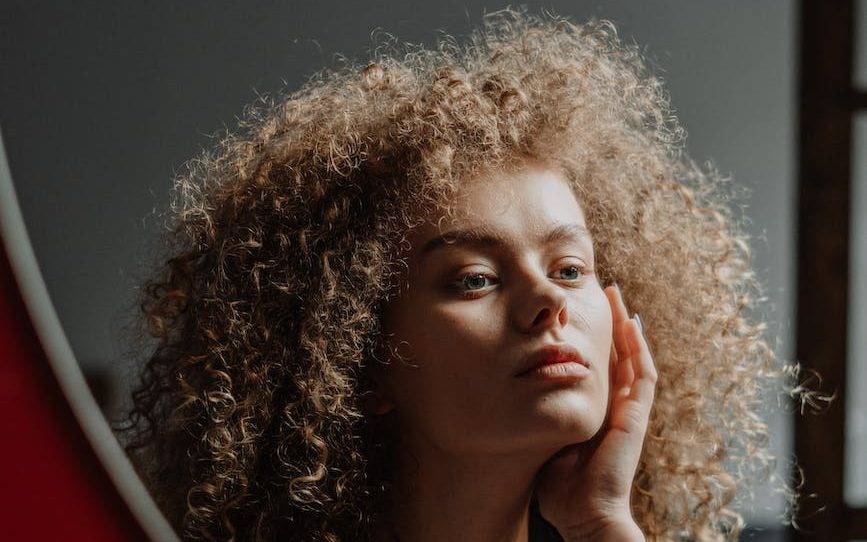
{"x": 519, "y": 276}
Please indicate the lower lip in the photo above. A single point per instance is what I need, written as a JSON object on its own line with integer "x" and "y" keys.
{"x": 558, "y": 371}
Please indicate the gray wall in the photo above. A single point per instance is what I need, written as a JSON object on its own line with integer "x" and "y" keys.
{"x": 101, "y": 103}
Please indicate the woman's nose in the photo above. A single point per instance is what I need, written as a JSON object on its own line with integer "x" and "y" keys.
{"x": 543, "y": 307}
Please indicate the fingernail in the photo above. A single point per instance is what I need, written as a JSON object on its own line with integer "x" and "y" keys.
{"x": 640, "y": 324}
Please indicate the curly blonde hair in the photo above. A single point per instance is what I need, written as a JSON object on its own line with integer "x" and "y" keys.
{"x": 248, "y": 423}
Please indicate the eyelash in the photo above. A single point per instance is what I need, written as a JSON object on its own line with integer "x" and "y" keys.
{"x": 473, "y": 294}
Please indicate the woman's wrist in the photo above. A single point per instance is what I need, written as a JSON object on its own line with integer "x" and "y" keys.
{"x": 612, "y": 530}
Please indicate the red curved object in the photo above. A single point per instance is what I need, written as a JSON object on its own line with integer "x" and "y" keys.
{"x": 53, "y": 486}
{"x": 62, "y": 474}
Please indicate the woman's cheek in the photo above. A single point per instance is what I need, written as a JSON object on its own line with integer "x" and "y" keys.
{"x": 468, "y": 322}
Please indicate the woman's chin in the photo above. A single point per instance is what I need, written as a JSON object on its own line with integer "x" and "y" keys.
{"x": 572, "y": 419}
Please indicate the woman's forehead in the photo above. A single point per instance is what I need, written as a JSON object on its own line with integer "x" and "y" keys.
{"x": 483, "y": 236}
{"x": 527, "y": 203}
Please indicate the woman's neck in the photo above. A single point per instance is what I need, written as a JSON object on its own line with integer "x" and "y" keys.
{"x": 473, "y": 498}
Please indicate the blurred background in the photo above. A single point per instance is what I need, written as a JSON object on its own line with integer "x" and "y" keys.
{"x": 102, "y": 102}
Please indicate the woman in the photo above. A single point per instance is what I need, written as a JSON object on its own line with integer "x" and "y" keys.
{"x": 363, "y": 281}
{"x": 512, "y": 284}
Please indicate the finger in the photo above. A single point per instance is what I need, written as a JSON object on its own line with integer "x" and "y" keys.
{"x": 621, "y": 373}
{"x": 620, "y": 370}
{"x": 618, "y": 307}
{"x": 624, "y": 378}
{"x": 644, "y": 384}
{"x": 619, "y": 316}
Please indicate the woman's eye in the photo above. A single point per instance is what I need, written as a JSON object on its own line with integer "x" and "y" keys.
{"x": 472, "y": 282}
{"x": 573, "y": 272}
{"x": 469, "y": 285}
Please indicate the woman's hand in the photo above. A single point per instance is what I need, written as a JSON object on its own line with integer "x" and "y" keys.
{"x": 584, "y": 489}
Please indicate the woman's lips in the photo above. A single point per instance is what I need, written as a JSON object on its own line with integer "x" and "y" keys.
{"x": 555, "y": 361}
{"x": 569, "y": 370}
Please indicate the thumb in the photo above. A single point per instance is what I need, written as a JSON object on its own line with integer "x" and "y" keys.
{"x": 568, "y": 459}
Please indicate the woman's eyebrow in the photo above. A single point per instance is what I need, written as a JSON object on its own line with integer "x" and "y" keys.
{"x": 484, "y": 237}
